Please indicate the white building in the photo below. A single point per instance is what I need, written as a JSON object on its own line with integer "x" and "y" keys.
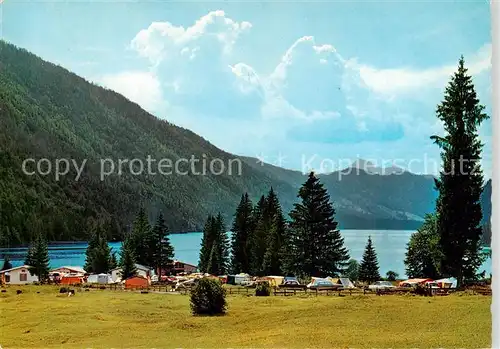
{"x": 141, "y": 271}
{"x": 18, "y": 276}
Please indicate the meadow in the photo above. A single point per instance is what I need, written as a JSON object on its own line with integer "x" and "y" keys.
{"x": 42, "y": 318}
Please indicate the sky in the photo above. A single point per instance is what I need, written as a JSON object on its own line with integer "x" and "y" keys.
{"x": 302, "y": 85}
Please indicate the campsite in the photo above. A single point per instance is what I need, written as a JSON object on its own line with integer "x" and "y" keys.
{"x": 101, "y": 319}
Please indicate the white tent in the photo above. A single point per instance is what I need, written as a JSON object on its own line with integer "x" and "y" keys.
{"x": 104, "y": 279}
{"x": 346, "y": 283}
{"x": 92, "y": 279}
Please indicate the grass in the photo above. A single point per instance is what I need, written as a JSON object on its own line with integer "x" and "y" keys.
{"x": 116, "y": 319}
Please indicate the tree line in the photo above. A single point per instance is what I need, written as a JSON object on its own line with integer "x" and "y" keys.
{"x": 264, "y": 242}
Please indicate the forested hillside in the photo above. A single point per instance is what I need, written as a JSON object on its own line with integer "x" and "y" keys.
{"x": 49, "y": 112}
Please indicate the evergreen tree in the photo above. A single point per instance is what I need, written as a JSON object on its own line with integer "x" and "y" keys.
{"x": 422, "y": 254}
{"x": 369, "y": 269}
{"x": 113, "y": 263}
{"x": 460, "y": 183}
{"x": 163, "y": 251}
{"x": 352, "y": 270}
{"x": 315, "y": 246}
{"x": 98, "y": 254}
{"x": 6, "y": 263}
{"x": 275, "y": 250}
{"x": 222, "y": 243}
{"x": 241, "y": 230}
{"x": 127, "y": 260}
{"x": 258, "y": 236}
{"x": 206, "y": 244}
{"x": 143, "y": 242}
{"x": 38, "y": 258}
{"x": 214, "y": 257}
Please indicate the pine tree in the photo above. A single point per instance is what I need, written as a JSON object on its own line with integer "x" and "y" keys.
{"x": 6, "y": 263}
{"x": 214, "y": 255}
{"x": 369, "y": 269}
{"x": 206, "y": 244}
{"x": 241, "y": 231}
{"x": 258, "y": 237}
{"x": 315, "y": 246}
{"x": 163, "y": 251}
{"x": 352, "y": 270}
{"x": 127, "y": 260}
{"x": 142, "y": 240}
{"x": 113, "y": 263}
{"x": 460, "y": 183}
{"x": 38, "y": 258}
{"x": 98, "y": 254}
{"x": 275, "y": 250}
{"x": 422, "y": 254}
{"x": 222, "y": 243}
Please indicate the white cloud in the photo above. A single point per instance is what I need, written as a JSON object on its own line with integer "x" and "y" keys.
{"x": 163, "y": 39}
{"x": 399, "y": 81}
{"x": 142, "y": 88}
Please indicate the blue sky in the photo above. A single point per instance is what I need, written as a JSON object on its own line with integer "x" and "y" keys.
{"x": 300, "y": 84}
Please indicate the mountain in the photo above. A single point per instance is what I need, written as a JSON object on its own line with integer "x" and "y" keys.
{"x": 47, "y": 112}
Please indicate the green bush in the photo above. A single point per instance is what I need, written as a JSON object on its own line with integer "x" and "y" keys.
{"x": 63, "y": 290}
{"x": 208, "y": 297}
{"x": 263, "y": 289}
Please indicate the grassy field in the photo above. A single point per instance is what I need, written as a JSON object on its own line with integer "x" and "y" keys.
{"x": 117, "y": 319}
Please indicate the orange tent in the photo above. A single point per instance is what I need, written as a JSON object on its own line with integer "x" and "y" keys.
{"x": 137, "y": 282}
{"x": 71, "y": 280}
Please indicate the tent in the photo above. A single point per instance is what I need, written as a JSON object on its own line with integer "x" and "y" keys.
{"x": 274, "y": 280}
{"x": 241, "y": 278}
{"x": 92, "y": 279}
{"x": 104, "y": 279}
{"x": 71, "y": 280}
{"x": 137, "y": 282}
{"x": 346, "y": 283}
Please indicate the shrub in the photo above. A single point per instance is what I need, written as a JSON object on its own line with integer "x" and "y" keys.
{"x": 63, "y": 290}
{"x": 263, "y": 289}
{"x": 208, "y": 297}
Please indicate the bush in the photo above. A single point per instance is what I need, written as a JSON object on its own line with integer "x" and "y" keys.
{"x": 208, "y": 297}
{"x": 63, "y": 290}
{"x": 421, "y": 290}
{"x": 263, "y": 289}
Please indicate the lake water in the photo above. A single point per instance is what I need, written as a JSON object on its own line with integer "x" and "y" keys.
{"x": 390, "y": 246}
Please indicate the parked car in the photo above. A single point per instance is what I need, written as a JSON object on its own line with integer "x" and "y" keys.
{"x": 381, "y": 285}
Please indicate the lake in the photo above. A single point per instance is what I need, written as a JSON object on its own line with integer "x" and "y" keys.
{"x": 390, "y": 246}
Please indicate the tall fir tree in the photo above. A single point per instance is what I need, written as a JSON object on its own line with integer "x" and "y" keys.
{"x": 6, "y": 263}
{"x": 258, "y": 237}
{"x": 37, "y": 258}
{"x": 241, "y": 231}
{"x": 275, "y": 249}
{"x": 206, "y": 244}
{"x": 98, "y": 253}
{"x": 113, "y": 263}
{"x": 127, "y": 260}
{"x": 369, "y": 268}
{"x": 315, "y": 246}
{"x": 460, "y": 183}
{"x": 163, "y": 251}
{"x": 142, "y": 240}
{"x": 214, "y": 254}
